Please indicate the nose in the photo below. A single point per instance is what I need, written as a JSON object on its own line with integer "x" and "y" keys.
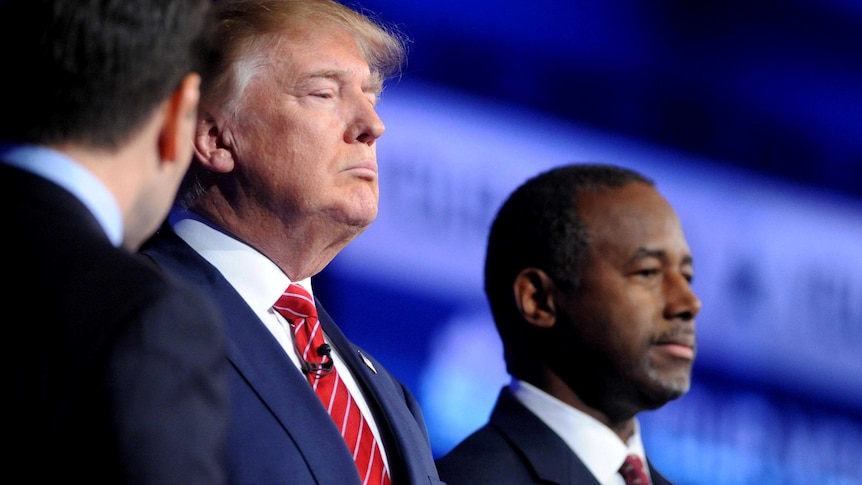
{"x": 367, "y": 126}
{"x": 681, "y": 302}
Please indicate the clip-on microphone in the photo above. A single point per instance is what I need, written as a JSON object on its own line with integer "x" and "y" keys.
{"x": 320, "y": 369}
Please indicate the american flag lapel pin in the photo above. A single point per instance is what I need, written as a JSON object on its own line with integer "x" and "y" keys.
{"x": 367, "y": 362}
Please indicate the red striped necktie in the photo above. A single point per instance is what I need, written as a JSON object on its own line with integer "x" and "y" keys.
{"x": 633, "y": 471}
{"x": 297, "y": 306}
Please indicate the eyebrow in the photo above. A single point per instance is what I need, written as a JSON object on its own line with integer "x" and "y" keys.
{"x": 375, "y": 85}
{"x": 643, "y": 253}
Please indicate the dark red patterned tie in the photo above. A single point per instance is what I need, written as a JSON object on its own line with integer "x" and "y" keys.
{"x": 297, "y": 306}
{"x": 633, "y": 471}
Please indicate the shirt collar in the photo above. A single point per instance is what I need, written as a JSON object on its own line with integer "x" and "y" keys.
{"x": 254, "y": 276}
{"x": 599, "y": 448}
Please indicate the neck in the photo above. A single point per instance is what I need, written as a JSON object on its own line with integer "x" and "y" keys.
{"x": 551, "y": 383}
{"x": 301, "y": 248}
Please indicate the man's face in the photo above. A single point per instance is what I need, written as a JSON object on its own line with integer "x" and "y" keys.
{"x": 304, "y": 134}
{"x": 634, "y": 311}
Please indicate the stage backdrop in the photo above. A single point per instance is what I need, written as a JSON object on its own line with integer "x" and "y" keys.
{"x": 777, "y": 393}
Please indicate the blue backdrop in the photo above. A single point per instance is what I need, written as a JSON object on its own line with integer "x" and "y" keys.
{"x": 747, "y": 114}
{"x": 777, "y": 383}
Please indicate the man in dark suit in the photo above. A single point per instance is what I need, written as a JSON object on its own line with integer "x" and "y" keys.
{"x": 115, "y": 373}
{"x": 285, "y": 177}
{"x": 588, "y": 276}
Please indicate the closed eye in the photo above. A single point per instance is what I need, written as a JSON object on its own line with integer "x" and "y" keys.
{"x": 647, "y": 272}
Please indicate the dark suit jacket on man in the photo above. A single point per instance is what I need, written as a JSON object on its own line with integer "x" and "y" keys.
{"x": 517, "y": 448}
{"x": 115, "y": 373}
{"x": 280, "y": 434}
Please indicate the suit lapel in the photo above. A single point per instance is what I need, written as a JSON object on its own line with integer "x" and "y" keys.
{"x": 396, "y": 413}
{"x": 549, "y": 456}
{"x": 376, "y": 388}
{"x": 264, "y": 367}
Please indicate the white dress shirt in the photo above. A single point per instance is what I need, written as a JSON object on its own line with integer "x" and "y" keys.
{"x": 260, "y": 283}
{"x": 596, "y": 445}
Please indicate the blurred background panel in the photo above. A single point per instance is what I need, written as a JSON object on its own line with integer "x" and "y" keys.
{"x": 747, "y": 114}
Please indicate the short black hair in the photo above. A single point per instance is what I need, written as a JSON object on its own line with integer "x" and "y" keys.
{"x": 538, "y": 226}
{"x": 91, "y": 71}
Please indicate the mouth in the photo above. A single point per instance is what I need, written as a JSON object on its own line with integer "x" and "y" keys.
{"x": 677, "y": 351}
{"x": 363, "y": 170}
{"x": 680, "y": 346}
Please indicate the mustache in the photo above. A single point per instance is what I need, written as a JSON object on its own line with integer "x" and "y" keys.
{"x": 682, "y": 334}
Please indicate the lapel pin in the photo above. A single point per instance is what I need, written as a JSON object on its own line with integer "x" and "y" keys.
{"x": 367, "y": 362}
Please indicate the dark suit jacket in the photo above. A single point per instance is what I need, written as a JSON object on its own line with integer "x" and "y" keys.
{"x": 517, "y": 448}
{"x": 280, "y": 432}
{"x": 115, "y": 373}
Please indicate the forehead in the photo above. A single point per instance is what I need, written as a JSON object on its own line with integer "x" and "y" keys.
{"x": 310, "y": 43}
{"x": 629, "y": 217}
{"x": 310, "y": 51}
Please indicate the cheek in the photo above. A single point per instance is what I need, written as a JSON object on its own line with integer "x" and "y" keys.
{"x": 278, "y": 146}
{"x": 632, "y": 316}
{"x": 269, "y": 119}
{"x": 301, "y": 145}
{"x": 252, "y": 139}
{"x": 615, "y": 320}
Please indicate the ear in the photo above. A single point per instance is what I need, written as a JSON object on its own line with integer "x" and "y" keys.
{"x": 180, "y": 114}
{"x": 534, "y": 296}
{"x": 210, "y": 149}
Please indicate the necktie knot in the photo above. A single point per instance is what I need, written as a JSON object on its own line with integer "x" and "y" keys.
{"x": 633, "y": 471}
{"x": 296, "y": 305}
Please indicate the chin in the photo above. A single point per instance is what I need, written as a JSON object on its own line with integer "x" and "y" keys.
{"x": 655, "y": 399}
{"x": 354, "y": 204}
{"x": 355, "y": 223}
{"x": 362, "y": 212}
{"x": 669, "y": 387}
{"x": 676, "y": 389}
{"x": 362, "y": 217}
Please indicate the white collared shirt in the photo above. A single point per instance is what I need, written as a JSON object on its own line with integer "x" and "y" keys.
{"x": 596, "y": 445}
{"x": 260, "y": 283}
{"x": 72, "y": 176}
